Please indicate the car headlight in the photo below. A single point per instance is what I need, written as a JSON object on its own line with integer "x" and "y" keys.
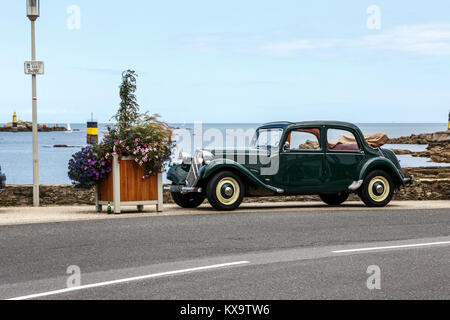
{"x": 207, "y": 157}
{"x": 184, "y": 158}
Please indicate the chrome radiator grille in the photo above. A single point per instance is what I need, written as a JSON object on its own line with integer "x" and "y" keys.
{"x": 197, "y": 162}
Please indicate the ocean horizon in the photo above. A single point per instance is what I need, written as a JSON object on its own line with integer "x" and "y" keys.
{"x": 16, "y": 148}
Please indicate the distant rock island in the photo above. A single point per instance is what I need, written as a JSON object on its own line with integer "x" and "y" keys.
{"x": 24, "y": 126}
{"x": 438, "y": 145}
{"x": 424, "y": 138}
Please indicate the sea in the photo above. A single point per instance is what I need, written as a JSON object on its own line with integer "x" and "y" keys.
{"x": 16, "y": 158}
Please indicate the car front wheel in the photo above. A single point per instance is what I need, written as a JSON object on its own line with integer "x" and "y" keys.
{"x": 225, "y": 191}
{"x": 334, "y": 199}
{"x": 189, "y": 200}
{"x": 377, "y": 189}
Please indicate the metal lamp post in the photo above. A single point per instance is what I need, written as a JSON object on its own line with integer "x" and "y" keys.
{"x": 33, "y": 14}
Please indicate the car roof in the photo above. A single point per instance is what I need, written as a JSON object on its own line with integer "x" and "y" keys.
{"x": 280, "y": 124}
{"x": 286, "y": 124}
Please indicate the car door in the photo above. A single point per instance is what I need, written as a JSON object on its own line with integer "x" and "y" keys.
{"x": 344, "y": 154}
{"x": 301, "y": 161}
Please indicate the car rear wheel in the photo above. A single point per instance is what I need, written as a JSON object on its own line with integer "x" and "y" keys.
{"x": 334, "y": 199}
{"x": 188, "y": 200}
{"x": 225, "y": 191}
{"x": 377, "y": 189}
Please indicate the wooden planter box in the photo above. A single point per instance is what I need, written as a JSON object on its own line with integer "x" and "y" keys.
{"x": 124, "y": 186}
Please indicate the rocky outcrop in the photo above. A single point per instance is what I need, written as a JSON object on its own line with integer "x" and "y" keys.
{"x": 432, "y": 183}
{"x": 400, "y": 152}
{"x": 438, "y": 152}
{"x": 438, "y": 145}
{"x": 23, "y": 126}
{"x": 441, "y": 137}
{"x": 426, "y": 189}
{"x": 428, "y": 173}
{"x": 62, "y": 146}
{"x": 424, "y": 138}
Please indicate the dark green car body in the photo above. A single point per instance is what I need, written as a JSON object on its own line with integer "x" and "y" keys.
{"x": 298, "y": 172}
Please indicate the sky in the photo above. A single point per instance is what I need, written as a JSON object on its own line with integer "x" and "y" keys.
{"x": 232, "y": 61}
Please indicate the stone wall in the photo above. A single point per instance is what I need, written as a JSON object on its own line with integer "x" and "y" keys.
{"x": 22, "y": 195}
{"x": 432, "y": 184}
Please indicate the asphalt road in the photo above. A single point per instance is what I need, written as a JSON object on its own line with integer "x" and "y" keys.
{"x": 270, "y": 255}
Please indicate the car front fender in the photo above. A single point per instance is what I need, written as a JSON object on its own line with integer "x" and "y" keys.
{"x": 381, "y": 163}
{"x": 226, "y": 164}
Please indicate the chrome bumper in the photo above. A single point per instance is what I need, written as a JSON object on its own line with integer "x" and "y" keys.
{"x": 183, "y": 189}
{"x": 356, "y": 185}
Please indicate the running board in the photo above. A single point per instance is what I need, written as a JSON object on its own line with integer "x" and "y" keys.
{"x": 277, "y": 190}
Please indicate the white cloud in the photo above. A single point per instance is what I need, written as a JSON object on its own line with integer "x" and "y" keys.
{"x": 290, "y": 48}
{"x": 431, "y": 39}
{"x": 426, "y": 39}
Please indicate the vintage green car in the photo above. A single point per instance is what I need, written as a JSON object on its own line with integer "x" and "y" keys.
{"x": 326, "y": 158}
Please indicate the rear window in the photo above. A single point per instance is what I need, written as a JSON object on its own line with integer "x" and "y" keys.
{"x": 342, "y": 140}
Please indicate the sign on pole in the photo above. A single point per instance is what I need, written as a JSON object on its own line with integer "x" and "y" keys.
{"x": 34, "y": 67}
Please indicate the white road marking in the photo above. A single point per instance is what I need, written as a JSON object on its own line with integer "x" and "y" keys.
{"x": 395, "y": 247}
{"x": 114, "y": 282}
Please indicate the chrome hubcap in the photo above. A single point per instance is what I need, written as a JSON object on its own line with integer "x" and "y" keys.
{"x": 228, "y": 191}
{"x": 380, "y": 189}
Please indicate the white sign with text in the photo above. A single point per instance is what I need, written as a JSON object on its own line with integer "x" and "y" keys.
{"x": 34, "y": 67}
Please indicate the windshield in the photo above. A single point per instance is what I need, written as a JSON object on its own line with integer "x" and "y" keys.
{"x": 267, "y": 138}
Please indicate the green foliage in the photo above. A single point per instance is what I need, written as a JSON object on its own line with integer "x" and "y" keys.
{"x": 128, "y": 112}
{"x": 142, "y": 136}
{"x": 149, "y": 142}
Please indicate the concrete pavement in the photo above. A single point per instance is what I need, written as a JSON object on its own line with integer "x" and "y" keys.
{"x": 30, "y": 215}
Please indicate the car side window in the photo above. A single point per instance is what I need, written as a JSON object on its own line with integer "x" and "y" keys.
{"x": 304, "y": 139}
{"x": 342, "y": 140}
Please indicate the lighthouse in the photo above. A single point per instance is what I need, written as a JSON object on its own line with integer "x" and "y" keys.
{"x": 92, "y": 131}
{"x": 14, "y": 122}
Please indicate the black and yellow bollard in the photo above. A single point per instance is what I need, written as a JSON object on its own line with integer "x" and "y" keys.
{"x": 14, "y": 122}
{"x": 92, "y": 132}
{"x": 449, "y": 120}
